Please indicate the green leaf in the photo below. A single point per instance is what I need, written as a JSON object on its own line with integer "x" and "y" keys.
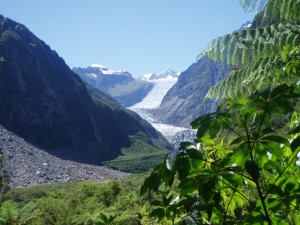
{"x": 274, "y": 148}
{"x": 193, "y": 218}
{"x": 196, "y": 158}
{"x": 279, "y": 91}
{"x": 188, "y": 186}
{"x": 183, "y": 167}
{"x": 295, "y": 130}
{"x": 277, "y": 190}
{"x": 214, "y": 128}
{"x": 289, "y": 187}
{"x": 271, "y": 165}
{"x": 194, "y": 154}
{"x": 103, "y": 217}
{"x": 238, "y": 140}
{"x": 149, "y": 184}
{"x": 171, "y": 161}
{"x": 240, "y": 155}
{"x": 159, "y": 213}
{"x": 295, "y": 144}
{"x": 238, "y": 212}
{"x": 156, "y": 203}
{"x": 233, "y": 178}
{"x": 166, "y": 200}
{"x": 253, "y": 169}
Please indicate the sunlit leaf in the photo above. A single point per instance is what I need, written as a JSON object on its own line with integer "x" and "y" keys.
{"x": 171, "y": 161}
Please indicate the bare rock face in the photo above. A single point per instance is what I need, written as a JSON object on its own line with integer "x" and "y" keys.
{"x": 27, "y": 166}
{"x": 185, "y": 100}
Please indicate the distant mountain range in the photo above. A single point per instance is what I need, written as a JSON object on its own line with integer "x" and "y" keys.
{"x": 168, "y": 74}
{"x": 118, "y": 84}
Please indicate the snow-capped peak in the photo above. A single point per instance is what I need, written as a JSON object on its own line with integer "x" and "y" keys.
{"x": 168, "y": 74}
{"x": 246, "y": 25}
{"x": 98, "y": 66}
{"x": 104, "y": 70}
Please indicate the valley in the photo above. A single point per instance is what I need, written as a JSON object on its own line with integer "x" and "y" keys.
{"x": 216, "y": 143}
{"x": 174, "y": 134}
{"x": 116, "y": 84}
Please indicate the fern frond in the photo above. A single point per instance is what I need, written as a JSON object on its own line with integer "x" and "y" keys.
{"x": 254, "y": 76}
{"x": 252, "y": 5}
{"x": 252, "y": 52}
{"x": 231, "y": 44}
{"x": 9, "y": 212}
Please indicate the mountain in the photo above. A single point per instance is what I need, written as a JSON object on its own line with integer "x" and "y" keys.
{"x": 48, "y": 105}
{"x": 118, "y": 84}
{"x": 185, "y": 100}
{"x": 103, "y": 78}
{"x": 168, "y": 74}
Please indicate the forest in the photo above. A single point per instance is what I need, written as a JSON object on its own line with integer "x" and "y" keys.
{"x": 243, "y": 167}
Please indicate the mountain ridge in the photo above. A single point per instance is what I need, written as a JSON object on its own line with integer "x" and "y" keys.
{"x": 47, "y": 104}
{"x": 185, "y": 100}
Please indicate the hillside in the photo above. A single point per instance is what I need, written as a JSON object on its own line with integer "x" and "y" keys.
{"x": 185, "y": 100}
{"x": 47, "y": 104}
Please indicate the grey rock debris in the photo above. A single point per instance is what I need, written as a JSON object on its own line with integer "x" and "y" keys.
{"x": 28, "y": 166}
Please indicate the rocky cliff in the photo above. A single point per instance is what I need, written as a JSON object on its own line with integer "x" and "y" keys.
{"x": 185, "y": 100}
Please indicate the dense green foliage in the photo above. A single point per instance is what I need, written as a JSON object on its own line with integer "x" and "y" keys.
{"x": 115, "y": 202}
{"x": 252, "y": 180}
{"x": 250, "y": 176}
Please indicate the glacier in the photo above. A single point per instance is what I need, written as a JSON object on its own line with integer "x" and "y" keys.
{"x": 163, "y": 82}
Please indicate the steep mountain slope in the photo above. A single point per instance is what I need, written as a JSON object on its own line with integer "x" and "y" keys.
{"x": 185, "y": 100}
{"x": 118, "y": 84}
{"x": 46, "y": 103}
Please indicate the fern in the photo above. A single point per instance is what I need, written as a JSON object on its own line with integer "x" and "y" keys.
{"x": 9, "y": 212}
{"x": 252, "y": 5}
{"x": 253, "y": 52}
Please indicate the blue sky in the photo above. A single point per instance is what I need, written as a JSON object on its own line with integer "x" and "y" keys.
{"x": 140, "y": 36}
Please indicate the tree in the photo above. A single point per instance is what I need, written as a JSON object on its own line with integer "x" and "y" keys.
{"x": 241, "y": 170}
{"x": 253, "y": 53}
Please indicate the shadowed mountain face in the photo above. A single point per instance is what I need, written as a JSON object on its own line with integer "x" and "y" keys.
{"x": 46, "y": 103}
{"x": 185, "y": 100}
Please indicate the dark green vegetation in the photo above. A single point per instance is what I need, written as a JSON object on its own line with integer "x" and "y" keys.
{"x": 82, "y": 203}
{"x": 135, "y": 160}
{"x": 46, "y": 103}
{"x": 250, "y": 175}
